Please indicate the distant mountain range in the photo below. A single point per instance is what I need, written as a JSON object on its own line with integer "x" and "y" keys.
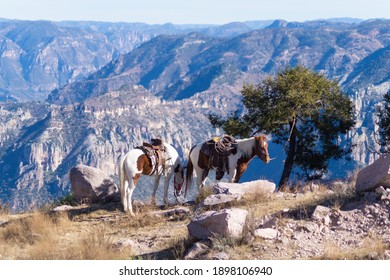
{"x": 110, "y": 86}
{"x": 39, "y": 56}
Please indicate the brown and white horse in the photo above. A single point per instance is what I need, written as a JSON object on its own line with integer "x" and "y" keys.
{"x": 136, "y": 162}
{"x": 237, "y": 162}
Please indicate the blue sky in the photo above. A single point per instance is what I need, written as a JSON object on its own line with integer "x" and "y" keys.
{"x": 192, "y": 11}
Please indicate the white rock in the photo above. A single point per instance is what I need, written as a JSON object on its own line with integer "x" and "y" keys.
{"x": 326, "y": 220}
{"x": 216, "y": 199}
{"x": 63, "y": 208}
{"x": 380, "y": 190}
{"x": 385, "y": 196}
{"x": 266, "y": 233}
{"x": 226, "y": 223}
{"x": 375, "y": 175}
{"x": 244, "y": 188}
{"x": 320, "y": 213}
{"x": 220, "y": 256}
{"x": 198, "y": 249}
{"x": 3, "y": 222}
{"x": 128, "y": 244}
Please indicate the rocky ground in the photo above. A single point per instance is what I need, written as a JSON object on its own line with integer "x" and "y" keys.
{"x": 319, "y": 222}
{"x": 345, "y": 226}
{"x": 358, "y": 229}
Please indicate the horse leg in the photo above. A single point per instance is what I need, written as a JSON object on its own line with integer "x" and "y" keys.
{"x": 201, "y": 178}
{"x": 232, "y": 175}
{"x": 132, "y": 185}
{"x": 237, "y": 176}
{"x": 124, "y": 191}
{"x": 166, "y": 185}
{"x": 129, "y": 193}
{"x": 155, "y": 186}
{"x": 123, "y": 183}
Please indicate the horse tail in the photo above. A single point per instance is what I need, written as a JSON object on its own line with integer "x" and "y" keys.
{"x": 189, "y": 173}
{"x": 121, "y": 172}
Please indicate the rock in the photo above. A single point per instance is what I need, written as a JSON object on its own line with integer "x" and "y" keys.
{"x": 308, "y": 227}
{"x": 218, "y": 199}
{"x": 63, "y": 208}
{"x": 176, "y": 212}
{"x": 226, "y": 223}
{"x": 385, "y": 196}
{"x": 266, "y": 233}
{"x": 375, "y": 175}
{"x": 310, "y": 187}
{"x": 270, "y": 222}
{"x": 244, "y": 188}
{"x": 320, "y": 213}
{"x": 380, "y": 190}
{"x": 386, "y": 255}
{"x": 3, "y": 222}
{"x": 326, "y": 220}
{"x": 222, "y": 256}
{"x": 370, "y": 197}
{"x": 196, "y": 251}
{"x": 90, "y": 184}
{"x": 128, "y": 244}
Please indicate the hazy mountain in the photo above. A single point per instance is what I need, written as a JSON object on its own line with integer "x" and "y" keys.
{"x": 39, "y": 56}
{"x": 177, "y": 67}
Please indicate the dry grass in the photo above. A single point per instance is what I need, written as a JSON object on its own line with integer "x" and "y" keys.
{"x": 371, "y": 248}
{"x": 33, "y": 228}
{"x": 37, "y": 230}
{"x": 41, "y": 236}
{"x": 4, "y": 210}
{"x": 89, "y": 232}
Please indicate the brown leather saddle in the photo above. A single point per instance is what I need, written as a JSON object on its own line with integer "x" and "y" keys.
{"x": 217, "y": 150}
{"x": 156, "y": 153}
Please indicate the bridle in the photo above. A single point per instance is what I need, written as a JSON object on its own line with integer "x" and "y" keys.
{"x": 178, "y": 187}
{"x": 261, "y": 150}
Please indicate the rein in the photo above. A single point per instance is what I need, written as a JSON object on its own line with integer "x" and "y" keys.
{"x": 288, "y": 140}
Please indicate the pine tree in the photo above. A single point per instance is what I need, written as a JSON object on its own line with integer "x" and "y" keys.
{"x": 304, "y": 111}
{"x": 384, "y": 123}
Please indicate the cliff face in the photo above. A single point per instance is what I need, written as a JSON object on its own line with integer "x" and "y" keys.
{"x": 96, "y": 133}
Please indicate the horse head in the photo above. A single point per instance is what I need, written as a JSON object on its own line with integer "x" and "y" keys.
{"x": 261, "y": 148}
{"x": 178, "y": 180}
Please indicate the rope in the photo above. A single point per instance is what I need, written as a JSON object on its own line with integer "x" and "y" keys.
{"x": 225, "y": 144}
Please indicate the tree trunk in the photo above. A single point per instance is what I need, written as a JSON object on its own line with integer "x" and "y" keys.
{"x": 289, "y": 162}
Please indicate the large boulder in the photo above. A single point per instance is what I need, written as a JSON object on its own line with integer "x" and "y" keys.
{"x": 219, "y": 199}
{"x": 375, "y": 175}
{"x": 224, "y": 223}
{"x": 263, "y": 186}
{"x": 91, "y": 185}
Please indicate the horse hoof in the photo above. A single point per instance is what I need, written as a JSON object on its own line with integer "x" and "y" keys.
{"x": 131, "y": 214}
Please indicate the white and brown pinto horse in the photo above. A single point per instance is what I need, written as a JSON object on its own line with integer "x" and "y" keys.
{"x": 237, "y": 161}
{"x": 136, "y": 163}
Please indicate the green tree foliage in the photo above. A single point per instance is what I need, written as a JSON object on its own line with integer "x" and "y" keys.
{"x": 304, "y": 111}
{"x": 384, "y": 123}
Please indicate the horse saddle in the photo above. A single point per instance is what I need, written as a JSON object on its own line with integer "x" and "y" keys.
{"x": 217, "y": 150}
{"x": 156, "y": 152}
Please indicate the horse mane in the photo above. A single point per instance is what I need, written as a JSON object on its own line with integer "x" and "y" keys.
{"x": 246, "y": 146}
